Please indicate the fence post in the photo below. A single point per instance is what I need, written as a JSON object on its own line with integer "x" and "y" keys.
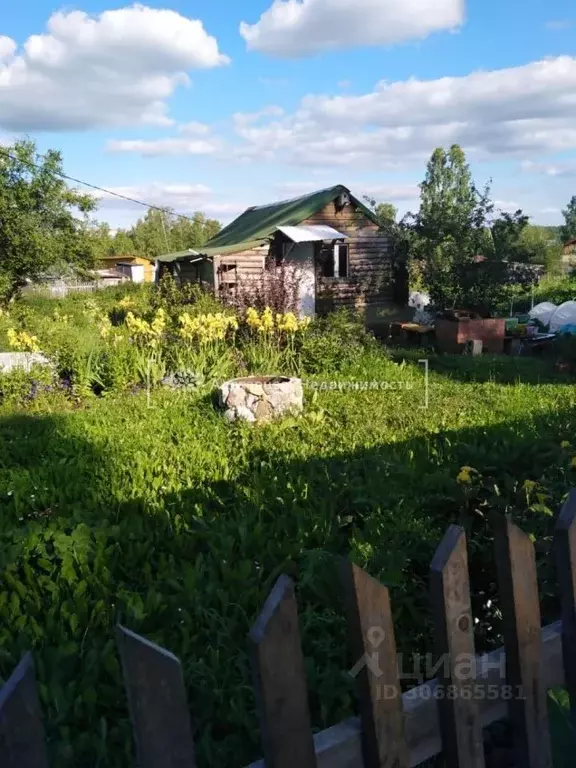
{"x": 280, "y": 682}
{"x": 22, "y": 742}
{"x": 518, "y": 585}
{"x": 157, "y": 703}
{"x": 454, "y": 636}
{"x": 565, "y": 541}
{"x": 373, "y": 644}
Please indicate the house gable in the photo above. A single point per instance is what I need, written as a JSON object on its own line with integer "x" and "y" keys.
{"x": 260, "y": 222}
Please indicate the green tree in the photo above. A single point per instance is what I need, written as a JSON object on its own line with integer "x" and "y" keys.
{"x": 43, "y": 222}
{"x": 540, "y": 246}
{"x": 568, "y": 231}
{"x": 162, "y": 232}
{"x": 452, "y": 230}
{"x": 386, "y": 213}
{"x": 507, "y": 233}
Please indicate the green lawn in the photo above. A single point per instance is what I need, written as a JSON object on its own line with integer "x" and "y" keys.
{"x": 162, "y": 516}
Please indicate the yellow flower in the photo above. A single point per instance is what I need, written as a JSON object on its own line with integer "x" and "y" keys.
{"x": 253, "y": 318}
{"x": 267, "y": 320}
{"x": 465, "y": 475}
{"x": 206, "y": 328}
{"x": 105, "y": 326}
{"x": 126, "y": 302}
{"x": 287, "y": 322}
{"x": 22, "y": 341}
{"x": 564, "y": 444}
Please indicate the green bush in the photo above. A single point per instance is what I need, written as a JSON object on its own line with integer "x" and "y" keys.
{"x": 334, "y": 341}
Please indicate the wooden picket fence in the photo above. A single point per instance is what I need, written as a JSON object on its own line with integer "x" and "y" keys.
{"x": 393, "y": 730}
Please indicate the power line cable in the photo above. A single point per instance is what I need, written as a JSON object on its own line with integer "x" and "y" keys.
{"x": 152, "y": 207}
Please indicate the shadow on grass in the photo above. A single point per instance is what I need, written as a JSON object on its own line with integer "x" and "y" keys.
{"x": 501, "y": 369}
{"x": 190, "y": 569}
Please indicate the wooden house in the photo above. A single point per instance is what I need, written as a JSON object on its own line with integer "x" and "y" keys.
{"x": 330, "y": 236}
{"x": 135, "y": 268}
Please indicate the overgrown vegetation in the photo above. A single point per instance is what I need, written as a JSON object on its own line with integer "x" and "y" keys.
{"x": 154, "y": 512}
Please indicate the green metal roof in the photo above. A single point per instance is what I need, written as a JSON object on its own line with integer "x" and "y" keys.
{"x": 257, "y": 225}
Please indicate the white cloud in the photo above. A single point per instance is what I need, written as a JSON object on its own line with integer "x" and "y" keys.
{"x": 159, "y": 147}
{"x": 116, "y": 68}
{"x": 560, "y": 170}
{"x": 560, "y": 24}
{"x": 515, "y": 112}
{"x": 381, "y": 192}
{"x": 182, "y": 198}
{"x": 194, "y": 128}
{"x": 7, "y": 48}
{"x": 293, "y": 28}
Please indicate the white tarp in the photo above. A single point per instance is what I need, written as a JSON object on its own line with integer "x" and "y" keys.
{"x": 543, "y": 312}
{"x": 311, "y": 233}
{"x": 565, "y": 314}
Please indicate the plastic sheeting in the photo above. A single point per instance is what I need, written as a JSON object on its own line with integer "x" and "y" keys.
{"x": 565, "y": 314}
{"x": 543, "y": 312}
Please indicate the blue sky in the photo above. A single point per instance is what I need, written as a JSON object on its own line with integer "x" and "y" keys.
{"x": 217, "y": 106}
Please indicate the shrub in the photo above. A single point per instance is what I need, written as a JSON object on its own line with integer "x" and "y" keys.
{"x": 277, "y": 288}
{"x": 334, "y": 341}
{"x": 189, "y": 297}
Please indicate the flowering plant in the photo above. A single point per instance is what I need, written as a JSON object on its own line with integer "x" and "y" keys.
{"x": 22, "y": 341}
{"x": 206, "y": 329}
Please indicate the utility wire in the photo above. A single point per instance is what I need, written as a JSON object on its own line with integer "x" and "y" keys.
{"x": 6, "y": 153}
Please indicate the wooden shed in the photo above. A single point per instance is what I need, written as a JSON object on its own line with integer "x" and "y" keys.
{"x": 330, "y": 236}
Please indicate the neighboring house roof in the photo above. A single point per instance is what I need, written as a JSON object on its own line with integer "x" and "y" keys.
{"x": 256, "y": 225}
{"x": 125, "y": 257}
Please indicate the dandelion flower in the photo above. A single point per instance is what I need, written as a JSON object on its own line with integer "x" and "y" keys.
{"x": 465, "y": 475}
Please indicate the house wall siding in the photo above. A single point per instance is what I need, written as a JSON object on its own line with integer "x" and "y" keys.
{"x": 240, "y": 267}
{"x": 370, "y": 279}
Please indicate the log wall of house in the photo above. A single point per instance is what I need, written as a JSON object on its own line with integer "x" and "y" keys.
{"x": 239, "y": 267}
{"x": 370, "y": 277}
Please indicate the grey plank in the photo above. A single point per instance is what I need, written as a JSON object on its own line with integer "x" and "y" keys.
{"x": 280, "y": 681}
{"x": 454, "y": 636}
{"x": 157, "y": 703}
{"x": 518, "y": 586}
{"x": 22, "y": 739}
{"x": 565, "y": 545}
{"x": 373, "y": 644}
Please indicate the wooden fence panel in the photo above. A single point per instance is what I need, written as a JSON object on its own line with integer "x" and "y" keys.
{"x": 22, "y": 742}
{"x": 454, "y": 634}
{"x": 565, "y": 540}
{"x": 280, "y": 682}
{"x": 518, "y": 585}
{"x": 157, "y": 703}
{"x": 373, "y": 645}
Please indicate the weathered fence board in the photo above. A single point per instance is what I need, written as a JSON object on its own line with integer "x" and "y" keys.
{"x": 340, "y": 746}
{"x": 22, "y": 742}
{"x": 373, "y": 645}
{"x": 516, "y": 565}
{"x": 157, "y": 703}
{"x": 566, "y": 562}
{"x": 450, "y": 597}
{"x": 280, "y": 682}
